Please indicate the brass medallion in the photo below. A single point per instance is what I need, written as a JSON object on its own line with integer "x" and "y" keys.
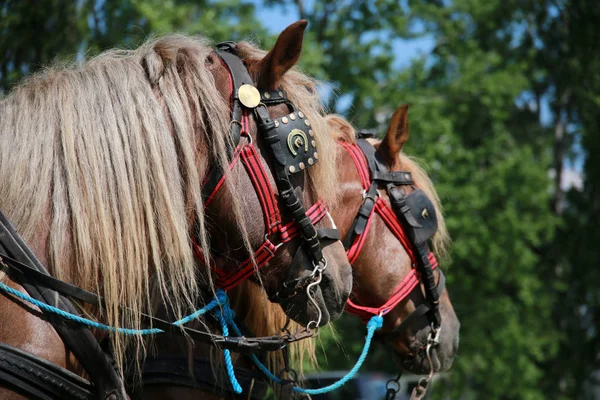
{"x": 249, "y": 96}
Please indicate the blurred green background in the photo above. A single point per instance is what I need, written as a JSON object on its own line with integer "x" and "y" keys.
{"x": 504, "y": 98}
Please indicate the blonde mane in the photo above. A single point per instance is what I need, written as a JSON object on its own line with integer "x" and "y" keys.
{"x": 341, "y": 130}
{"x": 100, "y": 162}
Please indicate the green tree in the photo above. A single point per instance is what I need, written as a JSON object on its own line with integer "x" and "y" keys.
{"x": 32, "y": 37}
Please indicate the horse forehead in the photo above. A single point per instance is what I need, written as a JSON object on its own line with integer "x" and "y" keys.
{"x": 220, "y": 75}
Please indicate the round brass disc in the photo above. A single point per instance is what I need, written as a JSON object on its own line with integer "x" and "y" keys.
{"x": 249, "y": 96}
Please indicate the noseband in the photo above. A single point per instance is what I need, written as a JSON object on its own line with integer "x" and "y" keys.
{"x": 411, "y": 218}
{"x": 292, "y": 146}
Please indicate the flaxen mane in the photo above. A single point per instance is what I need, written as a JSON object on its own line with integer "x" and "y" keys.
{"x": 103, "y": 163}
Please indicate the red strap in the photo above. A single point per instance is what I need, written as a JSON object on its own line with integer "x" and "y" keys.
{"x": 403, "y": 289}
{"x": 211, "y": 197}
{"x": 359, "y": 241}
{"x": 267, "y": 250}
{"x": 390, "y": 219}
{"x": 253, "y": 164}
{"x": 262, "y": 256}
{"x": 360, "y": 162}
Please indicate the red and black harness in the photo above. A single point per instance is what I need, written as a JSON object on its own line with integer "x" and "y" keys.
{"x": 411, "y": 218}
{"x": 292, "y": 146}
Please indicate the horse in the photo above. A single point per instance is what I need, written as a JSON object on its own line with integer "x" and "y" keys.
{"x": 121, "y": 176}
{"x": 380, "y": 287}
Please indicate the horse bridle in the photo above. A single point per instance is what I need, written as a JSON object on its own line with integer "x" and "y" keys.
{"x": 411, "y": 218}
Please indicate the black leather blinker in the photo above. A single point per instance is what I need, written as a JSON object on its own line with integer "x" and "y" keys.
{"x": 296, "y": 139}
{"x": 423, "y": 212}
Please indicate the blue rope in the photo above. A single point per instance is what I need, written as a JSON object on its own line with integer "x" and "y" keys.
{"x": 225, "y": 315}
{"x": 220, "y": 299}
{"x": 374, "y": 323}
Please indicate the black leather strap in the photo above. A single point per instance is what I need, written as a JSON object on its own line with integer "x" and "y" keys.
{"x": 364, "y": 212}
{"x": 19, "y": 272}
{"x": 396, "y": 178}
{"x": 422, "y": 309}
{"x": 331, "y": 234}
{"x": 402, "y": 211}
{"x": 272, "y": 97}
{"x": 239, "y": 72}
{"x": 39, "y": 379}
{"x": 77, "y": 338}
{"x": 240, "y": 344}
{"x": 376, "y": 163}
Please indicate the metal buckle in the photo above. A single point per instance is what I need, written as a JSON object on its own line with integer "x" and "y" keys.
{"x": 365, "y": 195}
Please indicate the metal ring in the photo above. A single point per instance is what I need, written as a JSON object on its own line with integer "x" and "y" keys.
{"x": 318, "y": 268}
{"x": 277, "y": 246}
{"x": 248, "y": 136}
{"x": 391, "y": 383}
{"x": 311, "y": 238}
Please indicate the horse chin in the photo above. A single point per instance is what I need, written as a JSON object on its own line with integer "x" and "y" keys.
{"x": 418, "y": 363}
{"x": 300, "y": 309}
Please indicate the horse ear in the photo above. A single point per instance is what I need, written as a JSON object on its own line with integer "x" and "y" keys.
{"x": 282, "y": 57}
{"x": 396, "y": 136}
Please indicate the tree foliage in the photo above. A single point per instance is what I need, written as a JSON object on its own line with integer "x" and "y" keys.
{"x": 502, "y": 103}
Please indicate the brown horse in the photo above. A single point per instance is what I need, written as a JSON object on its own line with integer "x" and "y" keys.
{"x": 101, "y": 171}
{"x": 376, "y": 280}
